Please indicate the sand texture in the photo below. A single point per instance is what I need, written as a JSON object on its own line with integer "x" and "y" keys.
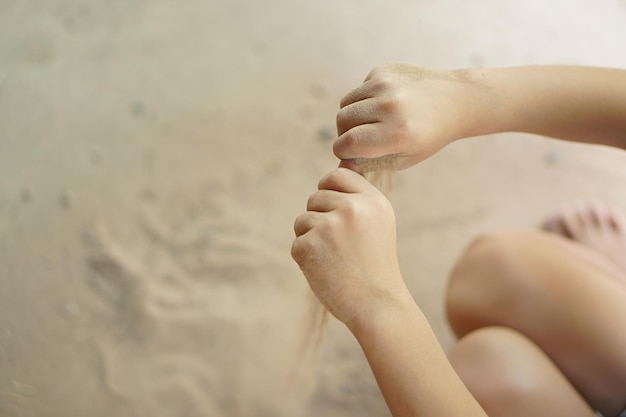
{"x": 153, "y": 157}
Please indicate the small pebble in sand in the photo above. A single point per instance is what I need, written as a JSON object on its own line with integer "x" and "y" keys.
{"x": 306, "y": 112}
{"x": 70, "y": 309}
{"x": 148, "y": 194}
{"x": 552, "y": 157}
{"x": 259, "y": 47}
{"x": 137, "y": 109}
{"x": 325, "y": 134}
{"x": 26, "y": 195}
{"x": 347, "y": 389}
{"x": 65, "y": 200}
{"x": 318, "y": 90}
{"x": 96, "y": 154}
{"x": 7, "y": 332}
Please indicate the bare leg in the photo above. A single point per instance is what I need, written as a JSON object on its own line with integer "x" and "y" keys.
{"x": 511, "y": 377}
{"x": 554, "y": 292}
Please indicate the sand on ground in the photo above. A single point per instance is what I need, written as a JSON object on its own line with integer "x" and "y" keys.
{"x": 153, "y": 155}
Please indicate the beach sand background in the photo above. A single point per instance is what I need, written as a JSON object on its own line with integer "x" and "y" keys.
{"x": 153, "y": 156}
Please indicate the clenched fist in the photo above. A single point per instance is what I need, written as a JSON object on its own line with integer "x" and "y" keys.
{"x": 346, "y": 246}
{"x": 408, "y": 111}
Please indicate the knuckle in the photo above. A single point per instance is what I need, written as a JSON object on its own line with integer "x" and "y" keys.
{"x": 311, "y": 201}
{"x": 330, "y": 226}
{"x": 354, "y": 137}
{"x": 381, "y": 70}
{"x": 330, "y": 179}
{"x": 342, "y": 118}
{"x": 345, "y": 100}
{"x": 300, "y": 249}
{"x": 341, "y": 148}
{"x": 374, "y": 72}
{"x": 384, "y": 82}
{"x": 296, "y": 250}
{"x": 298, "y": 225}
{"x": 351, "y": 209}
{"x": 392, "y": 104}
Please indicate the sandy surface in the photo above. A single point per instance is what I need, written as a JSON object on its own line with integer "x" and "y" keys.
{"x": 153, "y": 155}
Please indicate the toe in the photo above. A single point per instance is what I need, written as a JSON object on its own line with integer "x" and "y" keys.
{"x": 564, "y": 222}
{"x": 597, "y": 215}
{"x": 581, "y": 220}
{"x": 552, "y": 223}
{"x": 574, "y": 222}
{"x": 616, "y": 220}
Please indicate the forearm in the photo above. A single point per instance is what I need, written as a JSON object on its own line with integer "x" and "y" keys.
{"x": 412, "y": 370}
{"x": 580, "y": 104}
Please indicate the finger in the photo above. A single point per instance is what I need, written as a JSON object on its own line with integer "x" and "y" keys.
{"x": 298, "y": 252}
{"x": 324, "y": 201}
{"x": 364, "y": 141}
{"x": 306, "y": 222}
{"x": 366, "y": 90}
{"x": 344, "y": 181}
{"x": 352, "y": 165}
{"x": 377, "y": 71}
{"x": 362, "y": 112}
{"x": 304, "y": 250}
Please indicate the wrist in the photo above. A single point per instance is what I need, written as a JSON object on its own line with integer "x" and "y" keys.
{"x": 479, "y": 103}
{"x": 378, "y": 315}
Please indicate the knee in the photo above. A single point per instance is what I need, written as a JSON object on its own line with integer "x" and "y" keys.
{"x": 491, "y": 366}
{"x": 491, "y": 252}
{"x": 489, "y": 278}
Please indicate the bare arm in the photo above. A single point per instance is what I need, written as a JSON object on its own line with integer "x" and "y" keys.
{"x": 412, "y": 112}
{"x": 346, "y": 247}
{"x": 580, "y": 104}
{"x": 411, "y": 369}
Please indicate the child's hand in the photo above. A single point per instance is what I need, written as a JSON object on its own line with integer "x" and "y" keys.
{"x": 346, "y": 246}
{"x": 408, "y": 111}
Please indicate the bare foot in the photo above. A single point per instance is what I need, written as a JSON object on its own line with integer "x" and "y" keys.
{"x": 595, "y": 225}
